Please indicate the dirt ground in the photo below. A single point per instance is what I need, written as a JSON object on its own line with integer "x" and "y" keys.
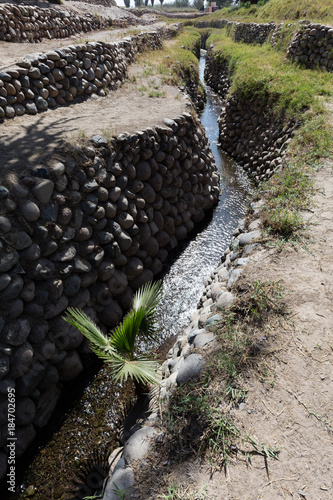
{"x": 295, "y": 411}
{"x": 290, "y": 409}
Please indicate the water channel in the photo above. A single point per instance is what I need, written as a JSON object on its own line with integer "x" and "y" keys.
{"x": 92, "y": 423}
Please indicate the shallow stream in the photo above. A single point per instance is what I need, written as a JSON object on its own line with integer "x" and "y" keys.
{"x": 90, "y": 427}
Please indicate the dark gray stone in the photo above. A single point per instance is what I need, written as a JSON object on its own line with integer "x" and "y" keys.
{"x": 70, "y": 367}
{"x": 203, "y": 339}
{"x": 5, "y": 279}
{"x": 29, "y": 381}
{"x": 8, "y": 259}
{"x": 246, "y": 238}
{"x": 25, "y": 411}
{"x": 49, "y": 212}
{"x": 4, "y": 366}
{"x": 42, "y": 269}
{"x": 31, "y": 253}
{"x": 53, "y": 310}
{"x": 20, "y": 240}
{"x": 99, "y": 141}
{"x": 31, "y": 108}
{"x": 192, "y": 367}
{"x": 3, "y": 192}
{"x": 5, "y": 224}
{"x": 13, "y": 290}
{"x": 138, "y": 445}
{"x": 72, "y": 285}
{"x": 43, "y": 190}
{"x": 30, "y": 211}
{"x": 213, "y": 321}
{"x": 66, "y": 254}
{"x": 121, "y": 480}
{"x": 16, "y": 333}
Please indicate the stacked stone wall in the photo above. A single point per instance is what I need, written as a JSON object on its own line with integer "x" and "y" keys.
{"x": 248, "y": 132}
{"x": 65, "y": 75}
{"x": 312, "y": 46}
{"x": 105, "y": 3}
{"x": 26, "y": 23}
{"x": 241, "y": 32}
{"x": 86, "y": 232}
{"x": 253, "y": 137}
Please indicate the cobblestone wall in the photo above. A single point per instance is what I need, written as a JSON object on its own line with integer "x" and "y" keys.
{"x": 26, "y": 23}
{"x": 312, "y": 46}
{"x": 86, "y": 232}
{"x": 248, "y": 132}
{"x": 61, "y": 76}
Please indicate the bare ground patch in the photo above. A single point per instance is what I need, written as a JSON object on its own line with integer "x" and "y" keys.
{"x": 289, "y": 403}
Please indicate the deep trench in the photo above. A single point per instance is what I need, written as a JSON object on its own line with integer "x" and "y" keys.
{"x": 183, "y": 283}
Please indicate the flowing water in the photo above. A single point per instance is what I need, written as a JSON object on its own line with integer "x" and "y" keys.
{"x": 94, "y": 418}
{"x": 184, "y": 282}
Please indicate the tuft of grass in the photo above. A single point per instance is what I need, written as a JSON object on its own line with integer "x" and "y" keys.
{"x": 177, "y": 61}
{"x": 156, "y": 93}
{"x": 181, "y": 492}
{"x": 314, "y": 139}
{"x": 289, "y": 193}
{"x": 204, "y": 428}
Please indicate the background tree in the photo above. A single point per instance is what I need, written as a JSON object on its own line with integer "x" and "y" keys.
{"x": 127, "y": 3}
{"x": 161, "y": 2}
{"x": 198, "y": 4}
{"x": 181, "y": 3}
{"x": 137, "y": 3}
{"x": 119, "y": 348}
{"x": 152, "y": 3}
{"x": 146, "y": 3}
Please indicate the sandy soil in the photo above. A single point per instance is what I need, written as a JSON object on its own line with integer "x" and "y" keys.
{"x": 292, "y": 409}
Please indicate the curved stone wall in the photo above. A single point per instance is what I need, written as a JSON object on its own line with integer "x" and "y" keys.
{"x": 61, "y": 76}
{"x": 249, "y": 133}
{"x": 26, "y": 23}
{"x": 312, "y": 46}
{"x": 86, "y": 232}
{"x": 241, "y": 32}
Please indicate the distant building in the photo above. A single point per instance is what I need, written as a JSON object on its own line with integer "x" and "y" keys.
{"x": 212, "y": 7}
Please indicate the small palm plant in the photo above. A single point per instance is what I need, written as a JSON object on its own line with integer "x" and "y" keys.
{"x": 119, "y": 349}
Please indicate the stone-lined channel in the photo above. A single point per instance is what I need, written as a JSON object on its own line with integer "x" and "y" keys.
{"x": 90, "y": 427}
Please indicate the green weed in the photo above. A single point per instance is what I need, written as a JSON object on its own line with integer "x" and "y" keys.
{"x": 180, "y": 492}
{"x": 156, "y": 93}
{"x": 289, "y": 192}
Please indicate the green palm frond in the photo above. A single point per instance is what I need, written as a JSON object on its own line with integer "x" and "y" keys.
{"x": 141, "y": 370}
{"x": 118, "y": 349}
{"x": 124, "y": 335}
{"x": 87, "y": 327}
{"x": 147, "y": 298}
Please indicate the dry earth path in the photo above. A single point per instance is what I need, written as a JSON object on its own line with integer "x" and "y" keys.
{"x": 292, "y": 407}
